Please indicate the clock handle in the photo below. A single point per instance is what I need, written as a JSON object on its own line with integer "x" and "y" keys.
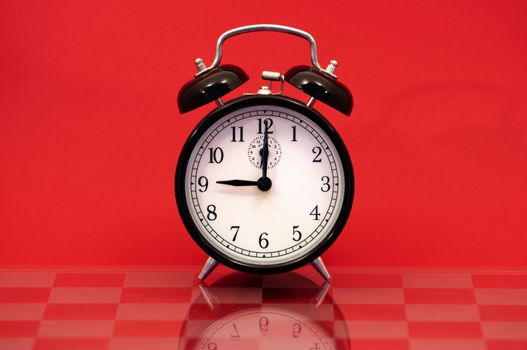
{"x": 264, "y": 28}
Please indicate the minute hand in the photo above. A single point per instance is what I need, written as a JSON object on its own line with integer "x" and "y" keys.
{"x": 265, "y": 152}
{"x": 238, "y": 183}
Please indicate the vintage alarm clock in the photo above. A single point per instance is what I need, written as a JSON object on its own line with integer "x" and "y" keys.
{"x": 264, "y": 184}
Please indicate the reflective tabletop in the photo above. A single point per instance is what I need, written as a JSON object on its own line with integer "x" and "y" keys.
{"x": 154, "y": 308}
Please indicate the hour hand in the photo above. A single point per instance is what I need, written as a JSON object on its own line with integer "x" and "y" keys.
{"x": 238, "y": 183}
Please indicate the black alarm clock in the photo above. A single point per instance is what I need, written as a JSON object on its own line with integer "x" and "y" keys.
{"x": 264, "y": 184}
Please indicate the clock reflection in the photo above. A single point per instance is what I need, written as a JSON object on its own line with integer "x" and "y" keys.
{"x": 286, "y": 311}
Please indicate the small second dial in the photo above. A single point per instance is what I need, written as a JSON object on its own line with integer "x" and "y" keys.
{"x": 255, "y": 149}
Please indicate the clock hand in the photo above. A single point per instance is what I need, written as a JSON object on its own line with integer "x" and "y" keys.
{"x": 238, "y": 183}
{"x": 265, "y": 152}
{"x": 263, "y": 183}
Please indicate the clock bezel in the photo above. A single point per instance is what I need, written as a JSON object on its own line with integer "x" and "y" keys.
{"x": 206, "y": 123}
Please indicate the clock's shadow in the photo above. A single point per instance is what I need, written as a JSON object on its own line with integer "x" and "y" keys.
{"x": 286, "y": 311}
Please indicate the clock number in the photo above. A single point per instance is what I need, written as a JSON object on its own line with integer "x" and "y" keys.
{"x": 325, "y": 184}
{"x": 203, "y": 182}
{"x": 234, "y": 133}
{"x": 212, "y": 346}
{"x": 317, "y": 151}
{"x": 264, "y": 324}
{"x": 294, "y": 134}
{"x": 267, "y": 123}
{"x": 211, "y": 212}
{"x": 264, "y": 243}
{"x": 296, "y": 232}
{"x": 237, "y": 228}
{"x": 315, "y": 213}
{"x": 215, "y": 155}
{"x": 297, "y": 329}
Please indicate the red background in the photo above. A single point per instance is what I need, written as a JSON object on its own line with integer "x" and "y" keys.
{"x": 90, "y": 132}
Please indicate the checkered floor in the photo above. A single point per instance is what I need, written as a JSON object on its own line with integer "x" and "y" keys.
{"x": 154, "y": 308}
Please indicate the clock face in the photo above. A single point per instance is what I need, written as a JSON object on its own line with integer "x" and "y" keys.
{"x": 235, "y": 218}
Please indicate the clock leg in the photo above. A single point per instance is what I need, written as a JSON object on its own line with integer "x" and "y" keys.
{"x": 318, "y": 264}
{"x": 210, "y": 265}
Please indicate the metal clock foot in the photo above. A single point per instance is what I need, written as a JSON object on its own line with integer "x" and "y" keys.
{"x": 318, "y": 264}
{"x": 209, "y": 266}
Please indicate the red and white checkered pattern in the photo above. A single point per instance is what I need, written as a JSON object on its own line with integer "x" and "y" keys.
{"x": 136, "y": 310}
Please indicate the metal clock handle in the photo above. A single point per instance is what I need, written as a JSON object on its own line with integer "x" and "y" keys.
{"x": 262, "y": 28}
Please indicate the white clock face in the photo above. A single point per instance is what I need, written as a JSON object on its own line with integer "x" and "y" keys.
{"x": 273, "y": 227}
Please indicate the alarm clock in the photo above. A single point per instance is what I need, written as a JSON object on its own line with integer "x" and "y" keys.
{"x": 264, "y": 183}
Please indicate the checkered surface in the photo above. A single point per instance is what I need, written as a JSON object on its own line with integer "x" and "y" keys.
{"x": 135, "y": 310}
